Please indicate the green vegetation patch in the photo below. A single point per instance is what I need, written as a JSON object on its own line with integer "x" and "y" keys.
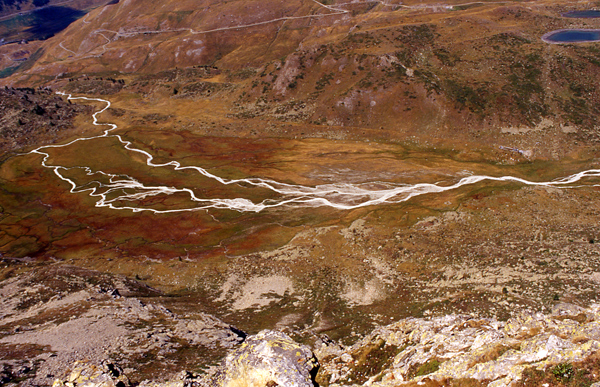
{"x": 582, "y": 374}
{"x": 427, "y": 368}
{"x": 26, "y": 65}
{"x": 466, "y": 96}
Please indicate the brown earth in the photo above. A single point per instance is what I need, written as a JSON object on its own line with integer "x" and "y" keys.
{"x": 384, "y": 92}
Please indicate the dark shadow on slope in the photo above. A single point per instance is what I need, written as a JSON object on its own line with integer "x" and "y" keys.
{"x": 38, "y": 25}
{"x": 49, "y": 21}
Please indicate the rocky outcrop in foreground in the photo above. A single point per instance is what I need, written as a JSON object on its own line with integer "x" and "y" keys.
{"x": 269, "y": 358}
{"x": 464, "y": 347}
{"x": 413, "y": 351}
{"x": 50, "y": 318}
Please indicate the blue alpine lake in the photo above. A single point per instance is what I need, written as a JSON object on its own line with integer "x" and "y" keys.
{"x": 572, "y": 36}
{"x": 588, "y": 14}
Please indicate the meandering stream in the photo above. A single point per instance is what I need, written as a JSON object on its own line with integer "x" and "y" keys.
{"x": 119, "y": 189}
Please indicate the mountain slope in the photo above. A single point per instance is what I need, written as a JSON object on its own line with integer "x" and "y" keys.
{"x": 471, "y": 73}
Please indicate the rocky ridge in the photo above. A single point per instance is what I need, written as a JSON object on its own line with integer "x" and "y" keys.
{"x": 459, "y": 347}
{"x": 50, "y": 318}
{"x": 31, "y": 116}
{"x": 414, "y": 351}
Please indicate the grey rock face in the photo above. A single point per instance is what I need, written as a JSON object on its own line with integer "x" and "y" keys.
{"x": 84, "y": 374}
{"x": 268, "y": 359}
{"x": 460, "y": 346}
{"x": 53, "y": 317}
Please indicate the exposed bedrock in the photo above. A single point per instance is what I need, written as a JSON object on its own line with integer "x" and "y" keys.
{"x": 425, "y": 351}
{"x": 269, "y": 358}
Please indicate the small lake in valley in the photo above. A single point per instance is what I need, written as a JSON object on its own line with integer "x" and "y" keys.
{"x": 572, "y": 36}
{"x": 587, "y": 14}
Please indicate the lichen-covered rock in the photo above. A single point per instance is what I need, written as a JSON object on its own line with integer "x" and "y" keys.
{"x": 184, "y": 379}
{"x": 458, "y": 346}
{"x": 404, "y": 353}
{"x": 107, "y": 374}
{"x": 268, "y": 359}
{"x": 84, "y": 374}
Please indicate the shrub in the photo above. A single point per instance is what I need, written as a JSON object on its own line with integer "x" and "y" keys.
{"x": 563, "y": 371}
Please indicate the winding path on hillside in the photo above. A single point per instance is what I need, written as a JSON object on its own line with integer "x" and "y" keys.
{"x": 343, "y": 196}
{"x": 334, "y": 11}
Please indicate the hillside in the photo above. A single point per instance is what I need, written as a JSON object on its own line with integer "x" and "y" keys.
{"x": 471, "y": 73}
{"x": 30, "y": 115}
{"x": 330, "y": 169}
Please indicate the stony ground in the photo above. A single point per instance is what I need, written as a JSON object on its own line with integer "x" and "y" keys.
{"x": 381, "y": 92}
{"x": 53, "y": 316}
{"x": 34, "y": 116}
{"x": 454, "y": 350}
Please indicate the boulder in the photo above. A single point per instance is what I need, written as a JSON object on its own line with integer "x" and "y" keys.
{"x": 268, "y": 359}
